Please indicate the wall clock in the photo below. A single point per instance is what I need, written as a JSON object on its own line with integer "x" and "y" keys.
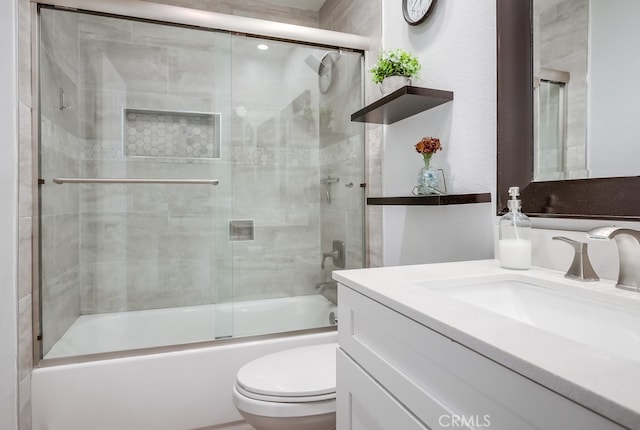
{"x": 416, "y": 11}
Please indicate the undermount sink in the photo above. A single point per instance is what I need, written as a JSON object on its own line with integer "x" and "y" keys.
{"x": 554, "y": 307}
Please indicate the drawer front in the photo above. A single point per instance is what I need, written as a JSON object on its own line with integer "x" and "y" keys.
{"x": 362, "y": 404}
{"x": 444, "y": 383}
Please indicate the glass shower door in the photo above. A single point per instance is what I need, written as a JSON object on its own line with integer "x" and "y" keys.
{"x": 135, "y": 187}
{"x": 297, "y": 166}
{"x": 191, "y": 181}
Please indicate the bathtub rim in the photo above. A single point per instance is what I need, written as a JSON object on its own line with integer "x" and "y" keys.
{"x": 138, "y": 352}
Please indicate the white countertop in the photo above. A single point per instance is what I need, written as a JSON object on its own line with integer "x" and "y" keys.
{"x": 603, "y": 382}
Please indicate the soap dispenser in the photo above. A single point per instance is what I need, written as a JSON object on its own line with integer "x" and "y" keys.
{"x": 515, "y": 235}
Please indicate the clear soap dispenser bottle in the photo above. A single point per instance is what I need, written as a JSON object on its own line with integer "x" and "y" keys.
{"x": 515, "y": 235}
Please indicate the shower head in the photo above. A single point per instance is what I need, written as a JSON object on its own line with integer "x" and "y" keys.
{"x": 313, "y": 62}
{"x": 318, "y": 66}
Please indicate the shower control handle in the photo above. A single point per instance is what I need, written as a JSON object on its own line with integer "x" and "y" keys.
{"x": 337, "y": 255}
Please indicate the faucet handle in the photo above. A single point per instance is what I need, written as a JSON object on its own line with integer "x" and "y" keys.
{"x": 337, "y": 255}
{"x": 580, "y": 268}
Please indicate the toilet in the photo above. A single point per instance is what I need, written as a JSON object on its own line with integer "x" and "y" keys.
{"x": 289, "y": 390}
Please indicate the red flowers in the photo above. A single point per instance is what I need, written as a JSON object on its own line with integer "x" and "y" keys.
{"x": 428, "y": 145}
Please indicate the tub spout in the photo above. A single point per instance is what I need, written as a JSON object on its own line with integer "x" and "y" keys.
{"x": 322, "y": 286}
{"x": 628, "y": 241}
{"x": 329, "y": 290}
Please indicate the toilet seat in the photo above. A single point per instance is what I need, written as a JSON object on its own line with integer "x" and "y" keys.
{"x": 285, "y": 399}
{"x": 277, "y": 409}
{"x": 298, "y": 375}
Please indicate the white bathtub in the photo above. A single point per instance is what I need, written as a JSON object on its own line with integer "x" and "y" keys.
{"x": 177, "y": 390}
{"x": 91, "y": 334}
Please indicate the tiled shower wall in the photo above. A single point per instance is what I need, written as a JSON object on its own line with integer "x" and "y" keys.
{"x": 275, "y": 171}
{"x": 150, "y": 246}
{"x": 341, "y": 149}
{"x": 60, "y": 205}
{"x": 358, "y": 17}
{"x": 363, "y": 17}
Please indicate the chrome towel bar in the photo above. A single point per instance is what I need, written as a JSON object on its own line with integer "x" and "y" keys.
{"x": 134, "y": 181}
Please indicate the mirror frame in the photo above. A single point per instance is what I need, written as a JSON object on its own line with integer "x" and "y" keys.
{"x": 596, "y": 198}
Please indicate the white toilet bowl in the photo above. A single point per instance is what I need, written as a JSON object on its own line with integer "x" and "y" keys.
{"x": 289, "y": 390}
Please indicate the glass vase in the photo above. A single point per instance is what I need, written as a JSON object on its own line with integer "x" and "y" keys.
{"x": 428, "y": 179}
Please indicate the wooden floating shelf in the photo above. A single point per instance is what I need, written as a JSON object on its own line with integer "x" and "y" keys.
{"x": 437, "y": 200}
{"x": 402, "y": 103}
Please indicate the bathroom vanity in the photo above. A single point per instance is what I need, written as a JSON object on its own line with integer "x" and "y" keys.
{"x": 471, "y": 345}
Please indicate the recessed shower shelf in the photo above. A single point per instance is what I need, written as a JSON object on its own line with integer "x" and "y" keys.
{"x": 402, "y": 103}
{"x": 439, "y": 200}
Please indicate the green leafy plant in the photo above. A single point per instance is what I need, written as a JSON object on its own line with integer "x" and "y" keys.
{"x": 395, "y": 63}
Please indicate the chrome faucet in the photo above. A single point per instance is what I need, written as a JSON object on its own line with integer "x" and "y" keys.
{"x": 628, "y": 241}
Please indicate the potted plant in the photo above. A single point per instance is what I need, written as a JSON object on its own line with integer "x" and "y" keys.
{"x": 395, "y": 69}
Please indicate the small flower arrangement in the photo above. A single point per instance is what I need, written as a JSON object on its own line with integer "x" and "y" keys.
{"x": 430, "y": 181}
{"x": 395, "y": 63}
{"x": 427, "y": 147}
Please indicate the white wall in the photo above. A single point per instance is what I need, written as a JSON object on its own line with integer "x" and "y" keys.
{"x": 614, "y": 93}
{"x": 8, "y": 213}
{"x": 457, "y": 48}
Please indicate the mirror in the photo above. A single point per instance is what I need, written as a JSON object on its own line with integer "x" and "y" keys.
{"x": 602, "y": 198}
{"x": 585, "y": 89}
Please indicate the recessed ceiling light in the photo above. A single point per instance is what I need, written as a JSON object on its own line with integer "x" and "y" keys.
{"x": 263, "y": 47}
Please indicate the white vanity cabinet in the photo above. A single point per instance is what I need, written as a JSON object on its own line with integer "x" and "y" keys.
{"x": 397, "y": 374}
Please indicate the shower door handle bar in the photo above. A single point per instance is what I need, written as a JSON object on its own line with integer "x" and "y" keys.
{"x": 134, "y": 181}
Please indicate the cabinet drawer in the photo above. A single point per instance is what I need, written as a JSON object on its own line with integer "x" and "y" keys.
{"x": 440, "y": 380}
{"x": 362, "y": 404}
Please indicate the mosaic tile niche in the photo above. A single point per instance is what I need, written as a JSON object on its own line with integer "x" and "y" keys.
{"x": 169, "y": 134}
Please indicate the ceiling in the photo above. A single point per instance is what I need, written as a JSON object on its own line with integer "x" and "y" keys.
{"x": 300, "y": 4}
